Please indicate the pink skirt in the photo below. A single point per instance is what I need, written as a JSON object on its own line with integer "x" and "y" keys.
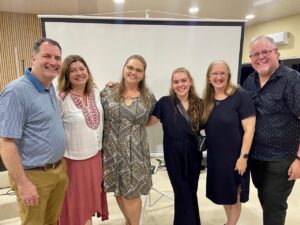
{"x": 85, "y": 196}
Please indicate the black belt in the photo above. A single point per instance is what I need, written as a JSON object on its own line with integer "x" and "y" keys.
{"x": 47, "y": 166}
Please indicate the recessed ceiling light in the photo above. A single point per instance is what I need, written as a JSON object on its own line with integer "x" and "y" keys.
{"x": 262, "y": 2}
{"x": 249, "y": 16}
{"x": 193, "y": 10}
{"x": 119, "y": 1}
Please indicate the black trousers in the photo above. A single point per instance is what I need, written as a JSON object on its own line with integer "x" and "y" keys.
{"x": 271, "y": 180}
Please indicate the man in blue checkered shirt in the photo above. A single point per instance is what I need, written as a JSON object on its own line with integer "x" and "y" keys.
{"x": 32, "y": 141}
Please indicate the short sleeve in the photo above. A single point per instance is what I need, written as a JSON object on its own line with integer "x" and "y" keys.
{"x": 107, "y": 91}
{"x": 247, "y": 106}
{"x": 12, "y": 114}
{"x": 292, "y": 94}
{"x": 250, "y": 86}
{"x": 103, "y": 93}
{"x": 153, "y": 102}
{"x": 157, "y": 112}
{"x": 247, "y": 84}
{"x": 60, "y": 98}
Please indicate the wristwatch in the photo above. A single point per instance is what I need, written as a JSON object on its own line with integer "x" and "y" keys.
{"x": 298, "y": 157}
{"x": 245, "y": 155}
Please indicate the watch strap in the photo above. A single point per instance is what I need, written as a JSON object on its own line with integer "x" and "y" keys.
{"x": 245, "y": 155}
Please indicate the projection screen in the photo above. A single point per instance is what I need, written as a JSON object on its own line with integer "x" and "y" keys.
{"x": 166, "y": 44}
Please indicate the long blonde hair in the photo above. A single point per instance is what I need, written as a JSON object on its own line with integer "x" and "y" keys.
{"x": 209, "y": 91}
{"x": 121, "y": 88}
{"x": 195, "y": 102}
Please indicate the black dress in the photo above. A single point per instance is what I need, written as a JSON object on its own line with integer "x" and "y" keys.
{"x": 224, "y": 133}
{"x": 183, "y": 160}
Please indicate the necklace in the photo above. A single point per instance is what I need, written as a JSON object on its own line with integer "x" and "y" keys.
{"x": 128, "y": 101}
{"x": 125, "y": 97}
{"x": 130, "y": 97}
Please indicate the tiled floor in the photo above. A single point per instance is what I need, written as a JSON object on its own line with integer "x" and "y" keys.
{"x": 161, "y": 213}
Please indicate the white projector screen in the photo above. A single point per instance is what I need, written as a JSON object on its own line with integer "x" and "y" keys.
{"x": 105, "y": 43}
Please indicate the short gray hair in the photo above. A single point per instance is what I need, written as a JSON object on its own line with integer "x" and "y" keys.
{"x": 263, "y": 37}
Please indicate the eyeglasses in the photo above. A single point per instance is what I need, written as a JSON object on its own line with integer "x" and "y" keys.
{"x": 215, "y": 74}
{"x": 264, "y": 53}
{"x": 131, "y": 69}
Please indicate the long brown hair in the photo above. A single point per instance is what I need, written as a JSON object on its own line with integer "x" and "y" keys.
{"x": 195, "y": 102}
{"x": 64, "y": 84}
{"x": 121, "y": 88}
{"x": 209, "y": 91}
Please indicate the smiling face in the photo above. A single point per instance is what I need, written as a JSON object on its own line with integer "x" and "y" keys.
{"x": 133, "y": 71}
{"x": 218, "y": 76}
{"x": 181, "y": 84}
{"x": 78, "y": 75}
{"x": 46, "y": 63}
{"x": 264, "y": 57}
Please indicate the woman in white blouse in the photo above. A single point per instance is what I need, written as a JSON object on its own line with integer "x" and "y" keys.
{"x": 82, "y": 115}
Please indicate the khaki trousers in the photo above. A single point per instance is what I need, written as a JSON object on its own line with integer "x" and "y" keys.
{"x": 51, "y": 185}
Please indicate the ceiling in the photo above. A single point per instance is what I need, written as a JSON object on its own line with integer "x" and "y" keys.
{"x": 264, "y": 10}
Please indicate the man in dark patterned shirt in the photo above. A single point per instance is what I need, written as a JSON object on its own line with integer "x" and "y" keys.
{"x": 275, "y": 151}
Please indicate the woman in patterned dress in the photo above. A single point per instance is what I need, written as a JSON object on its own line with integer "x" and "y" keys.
{"x": 126, "y": 157}
{"x": 82, "y": 116}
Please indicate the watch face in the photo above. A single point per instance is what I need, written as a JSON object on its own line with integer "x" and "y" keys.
{"x": 245, "y": 156}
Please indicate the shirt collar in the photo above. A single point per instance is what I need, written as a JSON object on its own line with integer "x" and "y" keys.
{"x": 275, "y": 74}
{"x": 36, "y": 83}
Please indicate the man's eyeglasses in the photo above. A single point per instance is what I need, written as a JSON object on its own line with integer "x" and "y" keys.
{"x": 264, "y": 53}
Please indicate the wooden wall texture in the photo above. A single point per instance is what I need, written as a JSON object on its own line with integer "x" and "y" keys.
{"x": 18, "y": 32}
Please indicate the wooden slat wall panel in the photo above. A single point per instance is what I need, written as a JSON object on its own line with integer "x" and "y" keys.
{"x": 17, "y": 31}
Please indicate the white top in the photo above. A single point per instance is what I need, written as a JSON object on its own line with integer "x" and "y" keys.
{"x": 83, "y": 125}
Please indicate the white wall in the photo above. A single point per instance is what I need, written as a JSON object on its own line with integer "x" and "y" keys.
{"x": 106, "y": 43}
